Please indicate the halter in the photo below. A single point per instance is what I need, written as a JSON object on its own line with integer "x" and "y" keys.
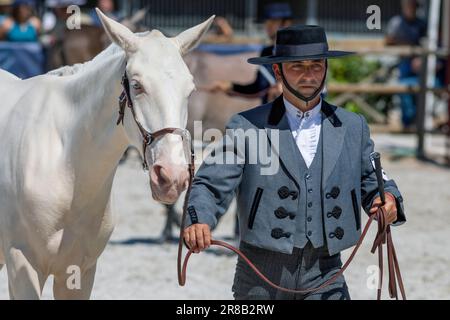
{"x": 148, "y": 138}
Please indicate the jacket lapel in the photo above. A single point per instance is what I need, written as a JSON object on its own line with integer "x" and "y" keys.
{"x": 286, "y": 148}
{"x": 333, "y": 132}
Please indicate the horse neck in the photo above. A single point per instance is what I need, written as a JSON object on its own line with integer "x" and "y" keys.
{"x": 97, "y": 143}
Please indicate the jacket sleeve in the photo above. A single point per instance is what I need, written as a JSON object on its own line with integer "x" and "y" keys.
{"x": 369, "y": 185}
{"x": 215, "y": 182}
{"x": 260, "y": 84}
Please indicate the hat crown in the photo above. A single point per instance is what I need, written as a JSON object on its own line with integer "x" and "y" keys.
{"x": 278, "y": 11}
{"x": 301, "y": 34}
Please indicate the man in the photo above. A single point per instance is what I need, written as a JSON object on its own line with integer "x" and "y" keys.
{"x": 295, "y": 221}
{"x": 407, "y": 29}
{"x": 276, "y": 16}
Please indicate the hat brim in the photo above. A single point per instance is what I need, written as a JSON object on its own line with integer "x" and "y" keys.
{"x": 277, "y": 59}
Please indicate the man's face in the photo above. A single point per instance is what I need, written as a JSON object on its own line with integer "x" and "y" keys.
{"x": 304, "y": 76}
{"x": 409, "y": 9}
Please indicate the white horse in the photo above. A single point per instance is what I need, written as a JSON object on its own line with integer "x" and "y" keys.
{"x": 61, "y": 147}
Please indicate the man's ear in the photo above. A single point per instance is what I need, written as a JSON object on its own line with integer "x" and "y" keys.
{"x": 276, "y": 71}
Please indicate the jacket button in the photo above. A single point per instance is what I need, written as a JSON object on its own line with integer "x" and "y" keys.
{"x": 281, "y": 213}
{"x": 279, "y": 233}
{"x": 309, "y": 219}
{"x": 309, "y": 233}
{"x": 294, "y": 195}
{"x": 338, "y": 233}
{"x": 283, "y": 192}
{"x": 335, "y": 192}
{"x": 336, "y": 212}
{"x": 310, "y": 205}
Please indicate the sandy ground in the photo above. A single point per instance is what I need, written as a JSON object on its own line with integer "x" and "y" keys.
{"x": 134, "y": 267}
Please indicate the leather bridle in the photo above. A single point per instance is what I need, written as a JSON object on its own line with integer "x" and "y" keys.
{"x": 148, "y": 138}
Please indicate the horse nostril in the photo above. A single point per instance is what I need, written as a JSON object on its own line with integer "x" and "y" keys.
{"x": 162, "y": 175}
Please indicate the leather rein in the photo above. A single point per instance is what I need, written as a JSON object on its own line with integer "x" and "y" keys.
{"x": 383, "y": 237}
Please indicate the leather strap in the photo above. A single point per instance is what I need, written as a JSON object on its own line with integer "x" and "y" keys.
{"x": 383, "y": 237}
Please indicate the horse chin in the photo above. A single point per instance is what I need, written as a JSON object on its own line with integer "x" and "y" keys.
{"x": 167, "y": 195}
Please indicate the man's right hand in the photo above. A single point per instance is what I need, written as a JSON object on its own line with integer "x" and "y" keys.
{"x": 198, "y": 237}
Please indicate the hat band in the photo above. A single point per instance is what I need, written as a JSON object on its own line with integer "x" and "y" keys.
{"x": 301, "y": 50}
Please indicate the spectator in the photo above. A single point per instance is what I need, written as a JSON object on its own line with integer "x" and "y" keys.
{"x": 107, "y": 7}
{"x": 22, "y": 26}
{"x": 276, "y": 16}
{"x": 5, "y": 9}
{"x": 407, "y": 29}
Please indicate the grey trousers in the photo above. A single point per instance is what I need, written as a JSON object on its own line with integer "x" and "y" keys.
{"x": 304, "y": 268}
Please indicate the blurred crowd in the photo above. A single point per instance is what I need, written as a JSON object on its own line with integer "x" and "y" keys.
{"x": 19, "y": 21}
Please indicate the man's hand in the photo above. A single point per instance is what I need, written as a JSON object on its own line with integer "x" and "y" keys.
{"x": 390, "y": 206}
{"x": 198, "y": 237}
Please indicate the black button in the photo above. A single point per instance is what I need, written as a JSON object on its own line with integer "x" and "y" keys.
{"x": 279, "y": 233}
{"x": 281, "y": 213}
{"x": 283, "y": 192}
{"x": 309, "y": 219}
{"x": 294, "y": 195}
{"x": 309, "y": 233}
{"x": 310, "y": 190}
{"x": 338, "y": 233}
{"x": 336, "y": 212}
{"x": 310, "y": 205}
{"x": 335, "y": 192}
{"x": 308, "y": 177}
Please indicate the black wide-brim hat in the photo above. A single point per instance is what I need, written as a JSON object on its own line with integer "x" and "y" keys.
{"x": 300, "y": 42}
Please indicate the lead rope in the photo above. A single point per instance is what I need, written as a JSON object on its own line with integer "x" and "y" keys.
{"x": 383, "y": 237}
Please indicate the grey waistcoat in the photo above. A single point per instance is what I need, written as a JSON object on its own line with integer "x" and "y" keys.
{"x": 309, "y": 216}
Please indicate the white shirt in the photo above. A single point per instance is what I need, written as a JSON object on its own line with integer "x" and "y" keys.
{"x": 305, "y": 127}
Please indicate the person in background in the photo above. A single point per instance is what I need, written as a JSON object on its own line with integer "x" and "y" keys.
{"x": 5, "y": 10}
{"x": 276, "y": 16}
{"x": 407, "y": 29}
{"x": 107, "y": 7}
{"x": 23, "y": 25}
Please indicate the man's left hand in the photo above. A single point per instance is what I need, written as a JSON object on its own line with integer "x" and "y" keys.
{"x": 390, "y": 206}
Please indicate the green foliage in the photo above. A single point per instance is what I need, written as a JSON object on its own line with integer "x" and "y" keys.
{"x": 351, "y": 69}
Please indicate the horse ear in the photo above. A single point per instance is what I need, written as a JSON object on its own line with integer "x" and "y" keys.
{"x": 189, "y": 39}
{"x": 118, "y": 33}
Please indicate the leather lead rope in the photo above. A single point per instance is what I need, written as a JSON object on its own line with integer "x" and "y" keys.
{"x": 383, "y": 237}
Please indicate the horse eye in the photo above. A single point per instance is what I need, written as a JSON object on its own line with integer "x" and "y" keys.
{"x": 136, "y": 85}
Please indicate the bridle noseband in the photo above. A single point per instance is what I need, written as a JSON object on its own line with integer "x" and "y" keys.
{"x": 148, "y": 138}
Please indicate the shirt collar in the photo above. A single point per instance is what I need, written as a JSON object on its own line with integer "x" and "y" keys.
{"x": 294, "y": 113}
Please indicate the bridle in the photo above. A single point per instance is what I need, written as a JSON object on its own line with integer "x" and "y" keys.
{"x": 148, "y": 138}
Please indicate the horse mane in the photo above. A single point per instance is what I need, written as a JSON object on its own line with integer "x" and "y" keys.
{"x": 79, "y": 67}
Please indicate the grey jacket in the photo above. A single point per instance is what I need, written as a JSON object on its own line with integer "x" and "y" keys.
{"x": 348, "y": 179}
